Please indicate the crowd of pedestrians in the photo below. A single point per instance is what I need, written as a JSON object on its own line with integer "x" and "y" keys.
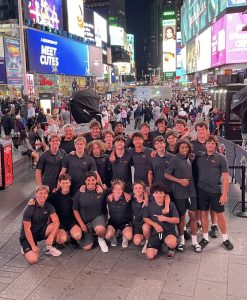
{"x": 155, "y": 187}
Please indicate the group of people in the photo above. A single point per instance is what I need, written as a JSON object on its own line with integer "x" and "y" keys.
{"x": 106, "y": 184}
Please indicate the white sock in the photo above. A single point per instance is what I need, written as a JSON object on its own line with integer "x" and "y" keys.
{"x": 181, "y": 239}
{"x": 205, "y": 236}
{"x": 214, "y": 225}
{"x": 194, "y": 239}
{"x": 224, "y": 237}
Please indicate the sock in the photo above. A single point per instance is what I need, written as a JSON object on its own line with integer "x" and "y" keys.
{"x": 100, "y": 239}
{"x": 224, "y": 237}
{"x": 185, "y": 228}
{"x": 214, "y": 225}
{"x": 199, "y": 222}
{"x": 205, "y": 236}
{"x": 181, "y": 239}
{"x": 194, "y": 239}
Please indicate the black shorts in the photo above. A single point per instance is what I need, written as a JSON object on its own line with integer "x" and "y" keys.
{"x": 67, "y": 226}
{"x": 156, "y": 240}
{"x": 208, "y": 201}
{"x": 38, "y": 235}
{"x": 88, "y": 237}
{"x": 183, "y": 204}
{"x": 119, "y": 226}
{"x": 137, "y": 228}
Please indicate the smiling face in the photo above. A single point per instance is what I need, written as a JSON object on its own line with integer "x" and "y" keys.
{"x": 145, "y": 130}
{"x": 184, "y": 149}
{"x": 161, "y": 126}
{"x": 91, "y": 183}
{"x": 211, "y": 146}
{"x": 41, "y": 197}
{"x": 117, "y": 191}
{"x": 171, "y": 140}
{"x": 138, "y": 141}
{"x": 108, "y": 138}
{"x": 119, "y": 145}
{"x": 138, "y": 190}
{"x": 179, "y": 128}
{"x": 95, "y": 131}
{"x": 68, "y": 133}
{"x": 159, "y": 197}
{"x": 202, "y": 132}
{"x": 65, "y": 185}
{"x": 54, "y": 144}
{"x": 80, "y": 146}
{"x": 159, "y": 146}
{"x": 96, "y": 150}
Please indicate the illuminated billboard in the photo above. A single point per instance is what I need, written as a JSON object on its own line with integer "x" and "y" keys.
{"x": 197, "y": 14}
{"x": 45, "y": 12}
{"x": 89, "y": 25}
{"x": 123, "y": 68}
{"x": 117, "y": 36}
{"x": 96, "y": 67}
{"x": 169, "y": 45}
{"x": 183, "y": 60}
{"x": 178, "y": 51}
{"x": 100, "y": 30}
{"x": 203, "y": 50}
{"x": 191, "y": 57}
{"x": 75, "y": 11}
{"x": 218, "y": 44}
{"x": 50, "y": 54}
{"x": 131, "y": 47}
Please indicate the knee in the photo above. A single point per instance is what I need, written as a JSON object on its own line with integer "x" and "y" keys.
{"x": 146, "y": 228}
{"x": 137, "y": 240}
{"x": 128, "y": 235}
{"x": 171, "y": 242}
{"x": 193, "y": 217}
{"x": 32, "y": 259}
{"x": 100, "y": 231}
{"x": 150, "y": 255}
{"x": 76, "y": 234}
{"x": 62, "y": 238}
{"x": 87, "y": 248}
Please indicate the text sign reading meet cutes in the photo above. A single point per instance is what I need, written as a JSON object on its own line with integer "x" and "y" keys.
{"x": 50, "y": 54}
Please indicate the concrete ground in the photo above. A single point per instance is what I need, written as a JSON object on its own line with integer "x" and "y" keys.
{"x": 121, "y": 273}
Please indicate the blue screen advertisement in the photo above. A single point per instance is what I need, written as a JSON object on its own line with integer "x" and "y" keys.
{"x": 50, "y": 54}
{"x": 3, "y": 77}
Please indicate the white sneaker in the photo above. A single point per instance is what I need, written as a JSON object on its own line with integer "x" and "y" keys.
{"x": 144, "y": 249}
{"x": 103, "y": 246}
{"x": 50, "y": 250}
{"x": 125, "y": 243}
{"x": 22, "y": 252}
{"x": 114, "y": 241}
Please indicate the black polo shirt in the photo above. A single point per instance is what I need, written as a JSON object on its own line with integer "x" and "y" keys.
{"x": 104, "y": 169}
{"x": 37, "y": 215}
{"x": 121, "y": 169}
{"x": 154, "y": 209}
{"x": 138, "y": 210}
{"x": 67, "y": 146}
{"x": 90, "y": 205}
{"x": 141, "y": 163}
{"x": 156, "y": 133}
{"x": 158, "y": 165}
{"x": 198, "y": 147}
{"x": 210, "y": 169}
{"x": 180, "y": 167}
{"x": 50, "y": 165}
{"x": 77, "y": 167}
{"x": 63, "y": 205}
{"x": 119, "y": 211}
{"x": 148, "y": 143}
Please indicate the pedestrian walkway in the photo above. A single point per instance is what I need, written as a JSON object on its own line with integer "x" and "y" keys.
{"x": 126, "y": 274}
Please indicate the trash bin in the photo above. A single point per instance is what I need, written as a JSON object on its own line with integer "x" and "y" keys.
{"x": 6, "y": 164}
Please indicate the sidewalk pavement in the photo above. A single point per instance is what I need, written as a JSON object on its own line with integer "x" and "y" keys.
{"x": 121, "y": 273}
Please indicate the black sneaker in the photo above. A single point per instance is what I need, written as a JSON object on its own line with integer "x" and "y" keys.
{"x": 203, "y": 243}
{"x": 74, "y": 243}
{"x": 214, "y": 232}
{"x": 170, "y": 254}
{"x": 228, "y": 245}
{"x": 187, "y": 236}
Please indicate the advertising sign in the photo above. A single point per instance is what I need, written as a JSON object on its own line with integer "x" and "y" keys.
{"x": 89, "y": 25}
{"x": 3, "y": 77}
{"x": 169, "y": 45}
{"x": 183, "y": 60}
{"x": 75, "y": 10}
{"x": 100, "y": 30}
{"x": 96, "y": 67}
{"x": 191, "y": 57}
{"x": 196, "y": 14}
{"x": 178, "y": 52}
{"x": 50, "y": 54}
{"x": 219, "y": 42}
{"x": 131, "y": 47}
{"x": 45, "y": 12}
{"x": 236, "y": 39}
{"x": 203, "y": 50}
{"x": 117, "y": 36}
{"x": 124, "y": 68}
{"x": 13, "y": 61}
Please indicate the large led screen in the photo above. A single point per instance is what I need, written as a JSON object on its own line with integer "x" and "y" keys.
{"x": 131, "y": 47}
{"x": 117, "y": 36}
{"x": 191, "y": 57}
{"x": 100, "y": 30}
{"x": 183, "y": 60}
{"x": 169, "y": 45}
{"x": 178, "y": 51}
{"x": 196, "y": 14}
{"x": 203, "y": 50}
{"x": 96, "y": 67}
{"x": 236, "y": 39}
{"x": 218, "y": 44}
{"x": 50, "y": 54}
{"x": 45, "y": 12}
{"x": 89, "y": 25}
{"x": 12, "y": 51}
{"x": 75, "y": 11}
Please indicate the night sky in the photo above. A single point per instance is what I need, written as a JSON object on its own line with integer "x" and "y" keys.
{"x": 138, "y": 23}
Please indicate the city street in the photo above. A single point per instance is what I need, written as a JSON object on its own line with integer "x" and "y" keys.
{"x": 121, "y": 273}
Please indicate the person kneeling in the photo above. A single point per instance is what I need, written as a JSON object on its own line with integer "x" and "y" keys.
{"x": 162, "y": 220}
{"x": 35, "y": 226}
